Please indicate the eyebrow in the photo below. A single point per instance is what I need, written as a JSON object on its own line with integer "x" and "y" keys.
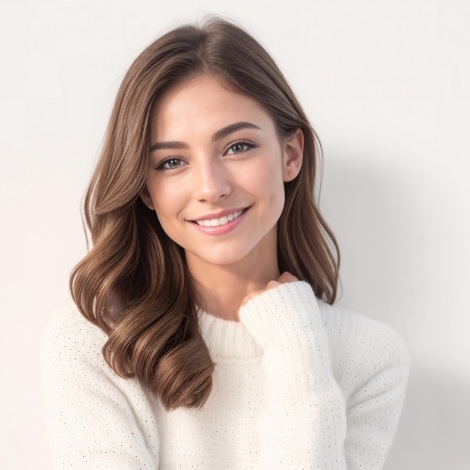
{"x": 220, "y": 134}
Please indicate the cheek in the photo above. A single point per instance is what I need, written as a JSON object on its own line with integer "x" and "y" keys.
{"x": 277, "y": 201}
{"x": 167, "y": 201}
{"x": 268, "y": 181}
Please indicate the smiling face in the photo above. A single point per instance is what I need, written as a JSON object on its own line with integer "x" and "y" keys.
{"x": 216, "y": 174}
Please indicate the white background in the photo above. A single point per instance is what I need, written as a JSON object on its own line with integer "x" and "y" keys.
{"x": 387, "y": 86}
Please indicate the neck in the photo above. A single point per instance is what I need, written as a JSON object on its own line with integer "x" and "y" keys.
{"x": 222, "y": 288}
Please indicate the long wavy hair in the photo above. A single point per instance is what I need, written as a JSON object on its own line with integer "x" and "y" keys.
{"x": 134, "y": 283}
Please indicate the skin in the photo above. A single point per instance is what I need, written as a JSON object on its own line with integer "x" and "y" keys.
{"x": 202, "y": 167}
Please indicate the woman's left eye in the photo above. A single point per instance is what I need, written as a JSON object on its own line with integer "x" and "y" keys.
{"x": 239, "y": 147}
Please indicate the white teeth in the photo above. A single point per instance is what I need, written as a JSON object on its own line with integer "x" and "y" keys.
{"x": 221, "y": 221}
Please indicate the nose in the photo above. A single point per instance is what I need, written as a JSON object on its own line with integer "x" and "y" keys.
{"x": 212, "y": 181}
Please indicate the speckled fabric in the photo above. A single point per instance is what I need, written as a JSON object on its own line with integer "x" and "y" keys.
{"x": 298, "y": 384}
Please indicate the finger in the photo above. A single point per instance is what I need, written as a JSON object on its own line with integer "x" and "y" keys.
{"x": 250, "y": 296}
{"x": 272, "y": 284}
{"x": 286, "y": 277}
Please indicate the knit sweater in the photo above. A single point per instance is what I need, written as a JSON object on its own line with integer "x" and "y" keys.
{"x": 298, "y": 384}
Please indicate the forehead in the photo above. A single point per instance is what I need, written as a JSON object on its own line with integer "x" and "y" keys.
{"x": 204, "y": 104}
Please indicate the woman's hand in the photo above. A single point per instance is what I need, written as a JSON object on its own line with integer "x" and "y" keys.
{"x": 284, "y": 278}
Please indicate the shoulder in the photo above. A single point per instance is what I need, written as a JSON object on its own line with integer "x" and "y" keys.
{"x": 71, "y": 355}
{"x": 68, "y": 336}
{"x": 89, "y": 408}
{"x": 68, "y": 320}
{"x": 74, "y": 373}
{"x": 361, "y": 348}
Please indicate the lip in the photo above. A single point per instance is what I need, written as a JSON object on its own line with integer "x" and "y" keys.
{"x": 220, "y": 229}
{"x": 218, "y": 215}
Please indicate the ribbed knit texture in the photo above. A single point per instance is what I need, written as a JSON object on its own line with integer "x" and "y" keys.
{"x": 298, "y": 384}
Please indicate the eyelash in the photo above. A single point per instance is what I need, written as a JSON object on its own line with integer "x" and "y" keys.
{"x": 161, "y": 165}
{"x": 248, "y": 146}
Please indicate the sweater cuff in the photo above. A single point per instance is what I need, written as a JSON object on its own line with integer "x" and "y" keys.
{"x": 286, "y": 323}
{"x": 281, "y": 316}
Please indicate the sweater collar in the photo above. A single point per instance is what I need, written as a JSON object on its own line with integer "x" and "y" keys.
{"x": 227, "y": 340}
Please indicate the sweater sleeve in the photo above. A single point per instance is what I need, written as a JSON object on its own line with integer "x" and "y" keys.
{"x": 308, "y": 422}
{"x": 95, "y": 418}
{"x": 372, "y": 366}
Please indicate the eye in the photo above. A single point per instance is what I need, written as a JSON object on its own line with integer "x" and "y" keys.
{"x": 170, "y": 163}
{"x": 239, "y": 147}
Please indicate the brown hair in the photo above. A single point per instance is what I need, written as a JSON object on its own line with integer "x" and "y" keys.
{"x": 134, "y": 283}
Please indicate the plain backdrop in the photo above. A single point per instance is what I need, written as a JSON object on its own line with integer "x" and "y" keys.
{"x": 386, "y": 85}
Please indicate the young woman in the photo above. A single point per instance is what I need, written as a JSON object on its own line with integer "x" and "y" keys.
{"x": 207, "y": 338}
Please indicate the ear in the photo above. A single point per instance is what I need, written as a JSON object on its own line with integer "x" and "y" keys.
{"x": 293, "y": 152}
{"x": 146, "y": 199}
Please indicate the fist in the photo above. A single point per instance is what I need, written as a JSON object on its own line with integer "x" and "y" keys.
{"x": 284, "y": 278}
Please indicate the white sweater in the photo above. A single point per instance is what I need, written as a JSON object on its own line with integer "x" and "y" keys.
{"x": 298, "y": 384}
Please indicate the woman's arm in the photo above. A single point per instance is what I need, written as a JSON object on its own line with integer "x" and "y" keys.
{"x": 308, "y": 422}
{"x": 371, "y": 362}
{"x": 95, "y": 418}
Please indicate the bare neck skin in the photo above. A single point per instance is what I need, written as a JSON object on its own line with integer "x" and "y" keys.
{"x": 222, "y": 288}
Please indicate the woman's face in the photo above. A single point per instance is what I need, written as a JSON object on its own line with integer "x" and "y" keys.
{"x": 216, "y": 173}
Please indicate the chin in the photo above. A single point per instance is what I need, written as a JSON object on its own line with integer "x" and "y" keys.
{"x": 222, "y": 258}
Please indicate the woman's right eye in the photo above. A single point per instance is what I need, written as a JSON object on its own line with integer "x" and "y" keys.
{"x": 170, "y": 163}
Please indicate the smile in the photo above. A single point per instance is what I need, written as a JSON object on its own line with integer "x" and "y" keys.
{"x": 220, "y": 221}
